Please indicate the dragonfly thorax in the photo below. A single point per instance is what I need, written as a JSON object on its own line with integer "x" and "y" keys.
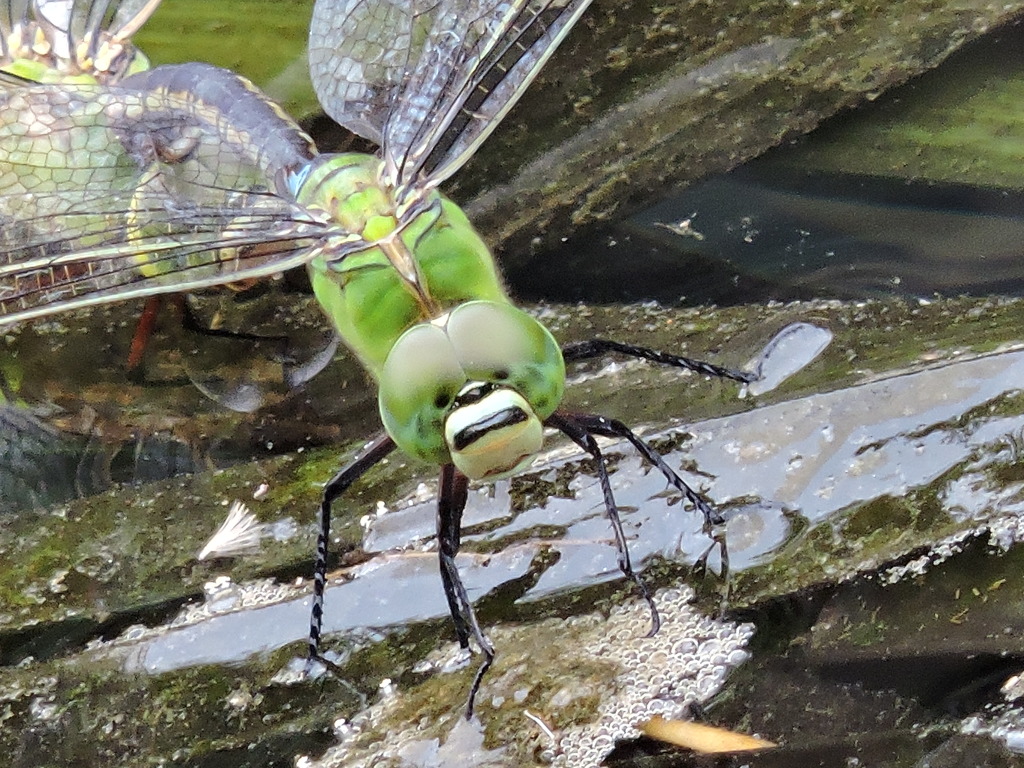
{"x": 374, "y": 291}
{"x": 465, "y": 377}
{"x": 349, "y": 189}
{"x": 42, "y": 50}
{"x": 472, "y": 388}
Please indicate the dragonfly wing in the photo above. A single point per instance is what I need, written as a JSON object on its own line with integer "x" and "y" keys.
{"x": 112, "y": 192}
{"x": 14, "y": 13}
{"x": 359, "y": 51}
{"x": 493, "y": 86}
{"x": 14, "y": 18}
{"x": 95, "y": 21}
{"x": 129, "y": 16}
{"x": 429, "y": 80}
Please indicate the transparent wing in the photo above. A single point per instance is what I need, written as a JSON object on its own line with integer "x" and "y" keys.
{"x": 111, "y": 192}
{"x": 359, "y": 51}
{"x": 430, "y": 79}
{"x": 126, "y": 17}
{"x": 95, "y": 22}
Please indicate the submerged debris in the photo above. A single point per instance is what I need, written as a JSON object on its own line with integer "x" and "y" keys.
{"x": 707, "y": 739}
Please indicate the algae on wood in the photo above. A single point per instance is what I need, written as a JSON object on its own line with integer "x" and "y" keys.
{"x": 538, "y": 548}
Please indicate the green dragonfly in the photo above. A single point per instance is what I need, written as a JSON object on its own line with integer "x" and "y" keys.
{"x": 89, "y": 41}
{"x": 184, "y": 177}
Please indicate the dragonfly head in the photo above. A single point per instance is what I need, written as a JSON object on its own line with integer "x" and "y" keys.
{"x": 473, "y": 388}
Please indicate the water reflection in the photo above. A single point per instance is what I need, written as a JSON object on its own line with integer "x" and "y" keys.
{"x": 811, "y": 458}
{"x": 76, "y": 421}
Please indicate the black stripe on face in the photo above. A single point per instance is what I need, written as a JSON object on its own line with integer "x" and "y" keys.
{"x": 499, "y": 420}
{"x": 474, "y": 394}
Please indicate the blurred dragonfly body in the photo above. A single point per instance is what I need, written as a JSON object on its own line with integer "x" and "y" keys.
{"x": 55, "y": 41}
{"x": 89, "y": 42}
{"x": 71, "y": 40}
{"x": 184, "y": 177}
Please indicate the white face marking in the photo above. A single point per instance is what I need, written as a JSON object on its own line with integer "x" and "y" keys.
{"x": 498, "y": 451}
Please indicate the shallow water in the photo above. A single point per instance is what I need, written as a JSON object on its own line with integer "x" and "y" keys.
{"x": 882, "y": 476}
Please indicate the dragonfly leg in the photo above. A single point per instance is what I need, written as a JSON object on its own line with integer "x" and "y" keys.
{"x": 451, "y": 501}
{"x": 601, "y": 425}
{"x": 584, "y": 350}
{"x": 143, "y": 332}
{"x": 373, "y": 453}
{"x": 578, "y": 428}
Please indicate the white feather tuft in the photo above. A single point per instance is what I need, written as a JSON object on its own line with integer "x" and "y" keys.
{"x": 239, "y": 534}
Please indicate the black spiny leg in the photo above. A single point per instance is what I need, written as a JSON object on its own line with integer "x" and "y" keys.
{"x": 582, "y": 427}
{"x": 575, "y": 428}
{"x": 451, "y": 501}
{"x": 601, "y": 425}
{"x": 584, "y": 350}
{"x": 452, "y": 489}
{"x": 373, "y": 453}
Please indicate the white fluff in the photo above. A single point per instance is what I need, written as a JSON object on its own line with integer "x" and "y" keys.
{"x": 239, "y": 534}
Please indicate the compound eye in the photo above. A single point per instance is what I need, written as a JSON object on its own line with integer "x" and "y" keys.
{"x": 488, "y": 337}
{"x": 423, "y": 366}
{"x": 418, "y": 383}
{"x": 501, "y": 344}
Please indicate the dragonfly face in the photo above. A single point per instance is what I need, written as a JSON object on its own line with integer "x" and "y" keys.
{"x": 473, "y": 388}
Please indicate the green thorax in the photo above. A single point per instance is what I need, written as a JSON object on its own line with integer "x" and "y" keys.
{"x": 369, "y": 301}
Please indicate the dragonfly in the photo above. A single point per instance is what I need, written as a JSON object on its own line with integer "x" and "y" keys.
{"x": 72, "y": 40}
{"x": 78, "y": 41}
{"x": 90, "y": 41}
{"x": 183, "y": 177}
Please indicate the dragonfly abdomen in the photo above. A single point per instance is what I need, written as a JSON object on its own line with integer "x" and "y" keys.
{"x": 243, "y": 116}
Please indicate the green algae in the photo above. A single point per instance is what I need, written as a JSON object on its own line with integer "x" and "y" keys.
{"x": 960, "y": 124}
{"x": 143, "y": 541}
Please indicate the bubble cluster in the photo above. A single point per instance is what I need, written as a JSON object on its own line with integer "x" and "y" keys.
{"x": 224, "y": 595}
{"x": 685, "y": 663}
{"x": 562, "y": 691}
{"x": 1006, "y": 531}
{"x": 1004, "y": 723}
{"x": 936, "y": 555}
